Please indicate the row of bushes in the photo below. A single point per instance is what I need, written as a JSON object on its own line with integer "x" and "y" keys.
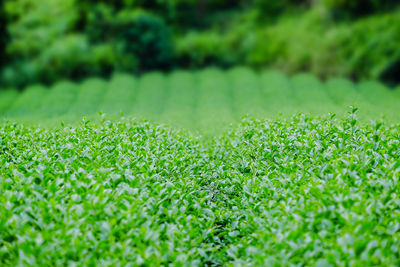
{"x": 60, "y": 39}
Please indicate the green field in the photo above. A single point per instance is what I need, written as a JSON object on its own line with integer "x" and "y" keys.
{"x": 303, "y": 191}
{"x": 311, "y": 182}
{"x": 205, "y": 100}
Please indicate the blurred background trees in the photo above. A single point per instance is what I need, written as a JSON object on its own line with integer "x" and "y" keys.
{"x": 48, "y": 40}
{"x": 3, "y": 34}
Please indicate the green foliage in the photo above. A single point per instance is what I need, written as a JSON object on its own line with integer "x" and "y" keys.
{"x": 121, "y": 94}
{"x": 364, "y": 49}
{"x": 277, "y": 95}
{"x": 378, "y": 94}
{"x": 206, "y": 100}
{"x": 304, "y": 191}
{"x": 343, "y": 91}
{"x": 60, "y": 59}
{"x": 181, "y": 101}
{"x": 45, "y": 48}
{"x": 41, "y": 45}
{"x": 151, "y": 96}
{"x": 246, "y": 91}
{"x": 213, "y": 90}
{"x": 3, "y": 34}
{"x": 29, "y": 102}
{"x": 346, "y": 9}
{"x": 367, "y": 48}
{"x": 33, "y": 31}
{"x": 59, "y": 99}
{"x": 372, "y": 47}
{"x": 134, "y": 36}
{"x": 90, "y": 95}
{"x": 310, "y": 94}
{"x": 7, "y": 97}
{"x": 148, "y": 38}
{"x": 196, "y": 50}
{"x": 271, "y": 9}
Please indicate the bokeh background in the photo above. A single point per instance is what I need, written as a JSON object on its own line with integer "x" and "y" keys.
{"x": 62, "y": 43}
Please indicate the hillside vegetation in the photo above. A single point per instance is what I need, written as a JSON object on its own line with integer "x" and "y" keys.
{"x": 356, "y": 39}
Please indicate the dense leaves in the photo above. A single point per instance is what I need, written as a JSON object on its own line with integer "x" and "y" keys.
{"x": 149, "y": 39}
{"x": 303, "y": 191}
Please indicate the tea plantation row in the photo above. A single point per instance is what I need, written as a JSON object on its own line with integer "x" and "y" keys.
{"x": 199, "y": 99}
{"x": 302, "y": 191}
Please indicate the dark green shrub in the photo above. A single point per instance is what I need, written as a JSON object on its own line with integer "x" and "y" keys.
{"x": 271, "y": 9}
{"x": 3, "y": 34}
{"x": 391, "y": 74}
{"x": 349, "y": 9}
{"x": 148, "y": 38}
{"x": 99, "y": 22}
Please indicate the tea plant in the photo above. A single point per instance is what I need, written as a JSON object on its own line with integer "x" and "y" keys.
{"x": 28, "y": 103}
{"x": 58, "y": 101}
{"x": 207, "y": 100}
{"x": 7, "y": 97}
{"x": 120, "y": 95}
{"x": 90, "y": 95}
{"x": 302, "y": 191}
{"x": 182, "y": 99}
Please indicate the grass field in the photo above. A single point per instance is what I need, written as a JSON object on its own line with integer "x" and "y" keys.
{"x": 204, "y": 100}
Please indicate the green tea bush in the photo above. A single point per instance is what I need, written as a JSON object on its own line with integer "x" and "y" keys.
{"x": 28, "y": 103}
{"x": 343, "y": 91}
{"x": 378, "y": 94}
{"x": 89, "y": 97}
{"x": 277, "y": 93}
{"x": 181, "y": 102}
{"x": 303, "y": 191}
{"x": 60, "y": 98}
{"x": 7, "y": 97}
{"x": 310, "y": 94}
{"x": 151, "y": 96}
{"x": 246, "y": 91}
{"x": 120, "y": 95}
{"x": 213, "y": 88}
{"x": 207, "y": 100}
